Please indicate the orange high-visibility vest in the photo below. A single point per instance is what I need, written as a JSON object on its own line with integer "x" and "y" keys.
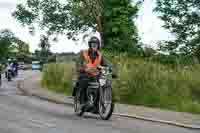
{"x": 91, "y": 64}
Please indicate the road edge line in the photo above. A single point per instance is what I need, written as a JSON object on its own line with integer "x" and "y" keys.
{"x": 158, "y": 121}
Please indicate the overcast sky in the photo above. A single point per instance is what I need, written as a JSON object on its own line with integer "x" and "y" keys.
{"x": 149, "y": 26}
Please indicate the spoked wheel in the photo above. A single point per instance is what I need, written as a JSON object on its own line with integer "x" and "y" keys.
{"x": 77, "y": 105}
{"x": 106, "y": 105}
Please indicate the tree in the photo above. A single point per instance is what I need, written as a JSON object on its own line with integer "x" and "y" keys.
{"x": 70, "y": 18}
{"x": 20, "y": 48}
{"x": 181, "y": 17}
{"x": 37, "y": 54}
{"x": 10, "y": 45}
{"x": 77, "y": 16}
{"x": 43, "y": 53}
{"x": 6, "y": 38}
{"x": 45, "y": 46}
{"x": 87, "y": 14}
{"x": 119, "y": 29}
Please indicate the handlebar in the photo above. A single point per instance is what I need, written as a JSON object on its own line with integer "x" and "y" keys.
{"x": 108, "y": 70}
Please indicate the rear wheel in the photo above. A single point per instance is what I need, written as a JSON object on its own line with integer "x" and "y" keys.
{"x": 77, "y": 104}
{"x": 106, "y": 105}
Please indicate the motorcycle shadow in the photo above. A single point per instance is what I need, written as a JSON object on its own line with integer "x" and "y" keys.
{"x": 90, "y": 116}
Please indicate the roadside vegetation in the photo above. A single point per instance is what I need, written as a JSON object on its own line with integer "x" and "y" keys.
{"x": 140, "y": 82}
{"x": 146, "y": 77}
{"x": 156, "y": 85}
{"x": 58, "y": 77}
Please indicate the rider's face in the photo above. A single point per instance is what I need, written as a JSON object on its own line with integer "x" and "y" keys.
{"x": 94, "y": 46}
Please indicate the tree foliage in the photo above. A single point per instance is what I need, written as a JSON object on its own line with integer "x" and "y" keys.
{"x": 6, "y": 37}
{"x": 70, "y": 18}
{"x": 181, "y": 17}
{"x": 19, "y": 48}
{"x": 43, "y": 53}
{"x": 114, "y": 18}
{"x": 10, "y": 45}
{"x": 44, "y": 46}
{"x": 119, "y": 29}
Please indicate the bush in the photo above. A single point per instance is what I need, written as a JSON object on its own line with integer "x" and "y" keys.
{"x": 173, "y": 60}
{"x": 146, "y": 83}
{"x": 58, "y": 77}
{"x": 140, "y": 82}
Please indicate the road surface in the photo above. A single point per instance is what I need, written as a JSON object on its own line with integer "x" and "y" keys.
{"x": 23, "y": 114}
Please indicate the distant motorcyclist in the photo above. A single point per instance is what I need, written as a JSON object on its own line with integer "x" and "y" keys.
{"x": 0, "y": 79}
{"x": 9, "y": 69}
{"x": 1, "y": 69}
{"x": 87, "y": 65}
{"x": 15, "y": 67}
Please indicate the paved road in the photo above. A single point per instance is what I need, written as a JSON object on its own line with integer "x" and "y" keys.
{"x": 22, "y": 114}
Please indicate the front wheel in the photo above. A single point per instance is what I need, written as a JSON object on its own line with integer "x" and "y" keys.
{"x": 77, "y": 104}
{"x": 106, "y": 105}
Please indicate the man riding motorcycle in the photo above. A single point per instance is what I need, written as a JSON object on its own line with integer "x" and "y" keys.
{"x": 87, "y": 67}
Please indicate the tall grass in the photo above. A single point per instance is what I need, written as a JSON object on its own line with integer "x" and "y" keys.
{"x": 58, "y": 77}
{"x": 140, "y": 82}
{"x": 155, "y": 85}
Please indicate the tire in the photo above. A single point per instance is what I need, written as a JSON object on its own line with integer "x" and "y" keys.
{"x": 77, "y": 110}
{"x": 9, "y": 77}
{"x": 106, "y": 115}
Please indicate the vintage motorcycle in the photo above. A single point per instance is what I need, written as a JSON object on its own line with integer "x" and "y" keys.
{"x": 99, "y": 95}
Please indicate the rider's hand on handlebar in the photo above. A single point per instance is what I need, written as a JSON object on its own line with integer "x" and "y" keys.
{"x": 91, "y": 70}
